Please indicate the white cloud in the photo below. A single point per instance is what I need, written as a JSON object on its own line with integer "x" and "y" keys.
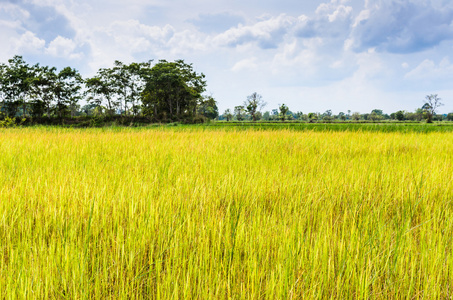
{"x": 28, "y": 43}
{"x": 402, "y": 26}
{"x": 429, "y": 70}
{"x": 63, "y": 47}
{"x": 268, "y": 33}
{"x": 245, "y": 64}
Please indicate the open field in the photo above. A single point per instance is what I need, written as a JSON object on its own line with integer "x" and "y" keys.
{"x": 206, "y": 213}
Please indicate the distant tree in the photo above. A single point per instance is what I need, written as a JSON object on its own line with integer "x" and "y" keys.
{"x": 15, "y": 85}
{"x": 239, "y": 112}
{"x": 450, "y": 117}
{"x": 432, "y": 102}
{"x": 88, "y": 109}
{"x": 327, "y": 115}
{"x": 173, "y": 91}
{"x": 356, "y": 116}
{"x": 228, "y": 115}
{"x": 208, "y": 107}
{"x": 299, "y": 115}
{"x": 399, "y": 115}
{"x": 376, "y": 115}
{"x": 102, "y": 90}
{"x": 254, "y": 104}
{"x": 312, "y": 117}
{"x": 266, "y": 116}
{"x": 283, "y": 110}
{"x": 67, "y": 90}
{"x": 43, "y": 87}
{"x": 342, "y": 116}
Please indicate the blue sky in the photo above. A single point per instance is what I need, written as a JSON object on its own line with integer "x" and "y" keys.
{"x": 311, "y": 55}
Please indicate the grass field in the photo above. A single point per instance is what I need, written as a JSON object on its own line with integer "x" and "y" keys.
{"x": 179, "y": 213}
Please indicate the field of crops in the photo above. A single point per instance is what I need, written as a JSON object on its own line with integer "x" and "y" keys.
{"x": 180, "y": 213}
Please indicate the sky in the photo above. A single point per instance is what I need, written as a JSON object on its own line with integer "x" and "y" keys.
{"x": 310, "y": 55}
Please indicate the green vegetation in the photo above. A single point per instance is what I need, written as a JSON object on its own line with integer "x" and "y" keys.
{"x": 160, "y": 92}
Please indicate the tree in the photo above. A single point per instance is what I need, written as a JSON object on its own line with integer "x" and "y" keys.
{"x": 43, "y": 85}
{"x": 327, "y": 115}
{"x": 228, "y": 115}
{"x": 102, "y": 89}
{"x": 450, "y": 117}
{"x": 312, "y": 117}
{"x": 283, "y": 110}
{"x": 173, "y": 90}
{"x": 239, "y": 112}
{"x": 67, "y": 91}
{"x": 254, "y": 104}
{"x": 208, "y": 108}
{"x": 128, "y": 84}
{"x": 356, "y": 116}
{"x": 15, "y": 83}
{"x": 399, "y": 115}
{"x": 432, "y": 102}
{"x": 376, "y": 115}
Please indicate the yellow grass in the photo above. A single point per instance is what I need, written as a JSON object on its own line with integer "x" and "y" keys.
{"x": 222, "y": 214}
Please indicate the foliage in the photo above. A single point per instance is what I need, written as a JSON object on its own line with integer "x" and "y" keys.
{"x": 228, "y": 115}
{"x": 283, "y": 110}
{"x": 432, "y": 102}
{"x": 173, "y": 91}
{"x": 254, "y": 104}
{"x": 208, "y": 108}
{"x": 239, "y": 112}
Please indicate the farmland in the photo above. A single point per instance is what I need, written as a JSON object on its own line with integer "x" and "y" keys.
{"x": 226, "y": 212}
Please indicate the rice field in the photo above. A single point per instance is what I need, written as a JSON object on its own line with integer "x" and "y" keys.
{"x": 225, "y": 214}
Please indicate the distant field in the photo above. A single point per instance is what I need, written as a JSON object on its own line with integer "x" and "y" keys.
{"x": 209, "y": 212}
{"x": 338, "y": 126}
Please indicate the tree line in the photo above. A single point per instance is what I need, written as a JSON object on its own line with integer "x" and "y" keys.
{"x": 252, "y": 106}
{"x": 160, "y": 92}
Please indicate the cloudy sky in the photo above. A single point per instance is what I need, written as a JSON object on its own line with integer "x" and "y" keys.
{"x": 311, "y": 55}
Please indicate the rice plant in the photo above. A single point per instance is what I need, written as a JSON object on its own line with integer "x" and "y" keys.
{"x": 171, "y": 213}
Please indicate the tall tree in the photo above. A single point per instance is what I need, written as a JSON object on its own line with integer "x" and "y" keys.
{"x": 254, "y": 104}
{"x": 15, "y": 85}
{"x": 208, "y": 107}
{"x": 228, "y": 115}
{"x": 283, "y": 110}
{"x": 129, "y": 84}
{"x": 67, "y": 90}
{"x": 432, "y": 103}
{"x": 43, "y": 84}
{"x": 239, "y": 112}
{"x": 101, "y": 90}
{"x": 173, "y": 91}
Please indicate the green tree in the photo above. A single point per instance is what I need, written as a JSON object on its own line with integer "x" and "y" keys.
{"x": 208, "y": 107}
{"x": 43, "y": 86}
{"x": 228, "y": 115}
{"x": 15, "y": 82}
{"x": 450, "y": 117}
{"x": 432, "y": 102}
{"x": 173, "y": 91}
{"x": 376, "y": 115}
{"x": 239, "y": 112}
{"x": 67, "y": 91}
{"x": 399, "y": 115}
{"x": 356, "y": 116}
{"x": 128, "y": 84}
{"x": 283, "y": 110}
{"x": 102, "y": 89}
{"x": 254, "y": 104}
